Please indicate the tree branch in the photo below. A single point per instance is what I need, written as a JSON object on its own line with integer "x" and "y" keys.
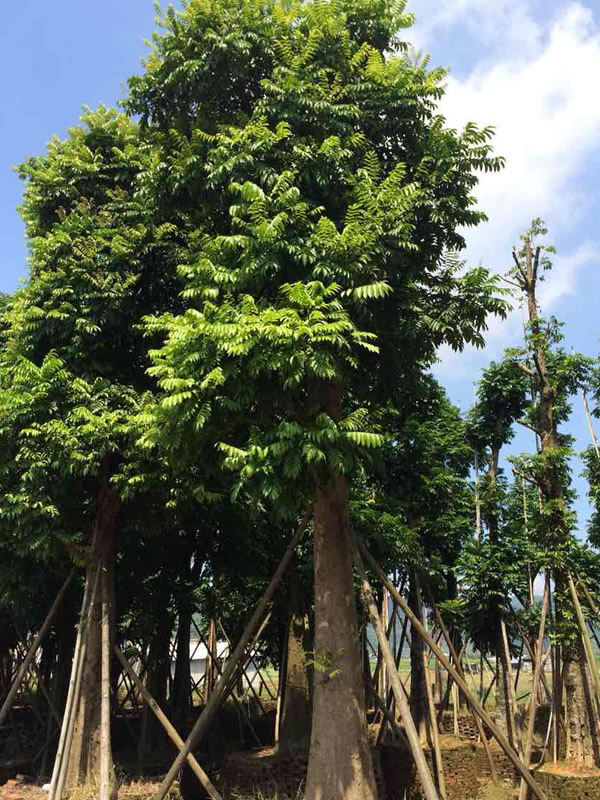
{"x": 520, "y": 269}
{"x": 528, "y": 425}
{"x": 536, "y": 262}
{"x": 512, "y": 283}
{"x": 525, "y": 477}
{"x": 526, "y": 370}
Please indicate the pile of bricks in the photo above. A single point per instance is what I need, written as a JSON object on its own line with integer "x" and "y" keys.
{"x": 244, "y": 774}
{"x": 558, "y": 786}
{"x": 460, "y": 764}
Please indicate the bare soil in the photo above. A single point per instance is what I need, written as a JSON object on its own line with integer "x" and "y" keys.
{"x": 570, "y": 769}
{"x": 136, "y": 790}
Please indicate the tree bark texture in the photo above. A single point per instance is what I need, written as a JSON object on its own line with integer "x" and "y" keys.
{"x": 295, "y": 718}
{"x": 181, "y": 700}
{"x": 340, "y": 764}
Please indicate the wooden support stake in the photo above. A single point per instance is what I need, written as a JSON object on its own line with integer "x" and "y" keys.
{"x": 588, "y": 416}
{"x": 409, "y": 726}
{"x": 477, "y": 708}
{"x": 202, "y": 723}
{"x": 165, "y": 722}
{"x": 512, "y": 700}
{"x": 23, "y": 669}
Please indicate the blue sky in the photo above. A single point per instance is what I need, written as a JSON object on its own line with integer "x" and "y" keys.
{"x": 530, "y": 67}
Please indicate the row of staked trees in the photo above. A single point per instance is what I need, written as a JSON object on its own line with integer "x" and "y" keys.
{"x": 238, "y": 285}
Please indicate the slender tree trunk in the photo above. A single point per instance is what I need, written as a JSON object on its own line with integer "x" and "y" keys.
{"x": 181, "y": 700}
{"x": 582, "y": 743}
{"x": 295, "y": 716}
{"x": 157, "y": 679}
{"x": 418, "y": 690}
{"x": 340, "y": 764}
{"x": 85, "y": 752}
{"x": 211, "y": 656}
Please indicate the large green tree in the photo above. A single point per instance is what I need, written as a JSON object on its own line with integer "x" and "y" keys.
{"x": 320, "y": 194}
{"x": 73, "y": 367}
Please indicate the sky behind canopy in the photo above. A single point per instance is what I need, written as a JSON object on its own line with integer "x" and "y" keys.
{"x": 531, "y": 68}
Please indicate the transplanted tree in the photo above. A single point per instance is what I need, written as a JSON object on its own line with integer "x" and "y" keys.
{"x": 555, "y": 376}
{"x": 502, "y": 397}
{"x": 73, "y": 370}
{"x": 319, "y": 191}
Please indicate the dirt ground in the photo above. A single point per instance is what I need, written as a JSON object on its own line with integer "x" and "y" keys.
{"x": 137, "y": 790}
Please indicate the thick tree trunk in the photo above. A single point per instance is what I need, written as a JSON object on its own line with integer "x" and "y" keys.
{"x": 85, "y": 751}
{"x": 295, "y": 717}
{"x": 340, "y": 764}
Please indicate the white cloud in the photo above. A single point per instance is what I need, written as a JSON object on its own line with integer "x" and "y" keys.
{"x": 501, "y": 24}
{"x": 548, "y": 128}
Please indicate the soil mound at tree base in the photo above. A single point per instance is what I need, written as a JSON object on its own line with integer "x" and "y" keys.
{"x": 567, "y": 781}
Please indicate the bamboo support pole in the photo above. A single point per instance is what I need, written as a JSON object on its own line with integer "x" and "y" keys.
{"x": 23, "y": 669}
{"x": 165, "y": 722}
{"x": 412, "y": 734}
{"x": 202, "y": 723}
{"x": 477, "y": 708}
{"x": 376, "y": 675}
{"x": 435, "y": 734}
{"x": 531, "y": 652}
{"x": 588, "y": 417}
{"x": 512, "y": 700}
{"x": 535, "y": 684}
{"x": 488, "y": 691}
